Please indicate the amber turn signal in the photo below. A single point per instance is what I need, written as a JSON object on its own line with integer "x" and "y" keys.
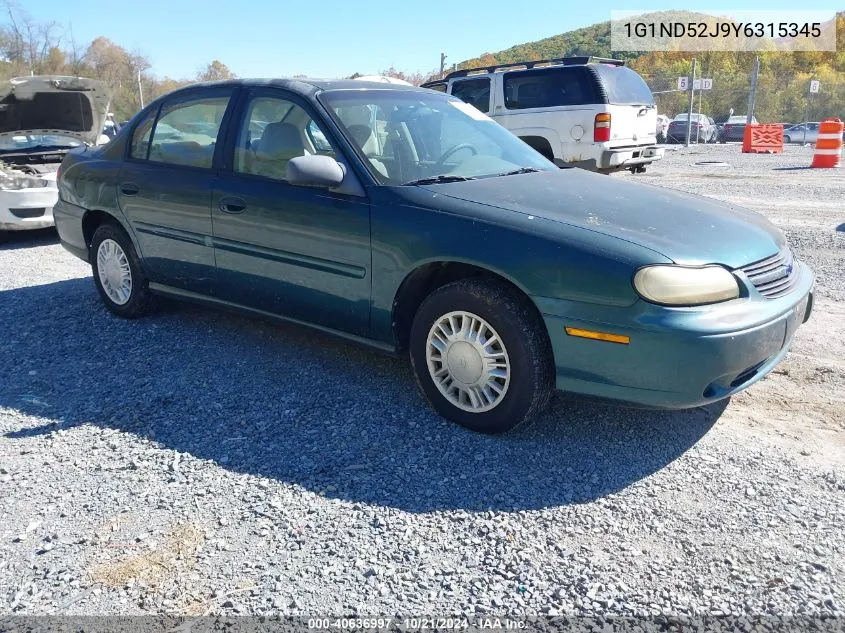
{"x": 599, "y": 336}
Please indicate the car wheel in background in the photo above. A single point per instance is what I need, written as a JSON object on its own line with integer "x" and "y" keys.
{"x": 118, "y": 275}
{"x": 786, "y": 138}
{"x": 481, "y": 355}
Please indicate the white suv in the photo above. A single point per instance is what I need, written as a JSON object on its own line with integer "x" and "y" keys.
{"x": 585, "y": 111}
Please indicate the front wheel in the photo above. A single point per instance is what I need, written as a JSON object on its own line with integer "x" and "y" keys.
{"x": 118, "y": 275}
{"x": 786, "y": 139}
{"x": 481, "y": 355}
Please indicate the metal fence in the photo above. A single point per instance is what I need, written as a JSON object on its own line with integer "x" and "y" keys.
{"x": 779, "y": 98}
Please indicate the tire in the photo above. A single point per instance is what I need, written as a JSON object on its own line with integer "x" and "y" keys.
{"x": 523, "y": 347}
{"x": 786, "y": 139}
{"x": 118, "y": 251}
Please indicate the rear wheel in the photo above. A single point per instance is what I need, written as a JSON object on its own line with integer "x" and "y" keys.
{"x": 481, "y": 355}
{"x": 787, "y": 139}
{"x": 118, "y": 275}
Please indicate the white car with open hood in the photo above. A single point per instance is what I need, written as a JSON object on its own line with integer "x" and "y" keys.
{"x": 41, "y": 119}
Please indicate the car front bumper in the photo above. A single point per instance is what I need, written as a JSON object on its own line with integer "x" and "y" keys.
{"x": 24, "y": 209}
{"x": 676, "y": 358}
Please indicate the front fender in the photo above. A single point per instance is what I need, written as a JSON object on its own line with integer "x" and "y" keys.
{"x": 543, "y": 258}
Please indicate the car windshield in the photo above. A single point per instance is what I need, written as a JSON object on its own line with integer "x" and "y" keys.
{"x": 410, "y": 137}
{"x": 35, "y": 142}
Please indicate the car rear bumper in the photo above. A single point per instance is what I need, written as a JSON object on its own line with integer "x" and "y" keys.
{"x": 623, "y": 158}
{"x": 25, "y": 209}
{"x": 68, "y": 218}
{"x": 676, "y": 358}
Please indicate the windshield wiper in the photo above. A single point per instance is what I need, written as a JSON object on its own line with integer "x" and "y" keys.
{"x": 521, "y": 170}
{"x": 433, "y": 180}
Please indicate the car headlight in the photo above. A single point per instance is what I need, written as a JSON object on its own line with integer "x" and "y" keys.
{"x": 684, "y": 286}
{"x": 10, "y": 182}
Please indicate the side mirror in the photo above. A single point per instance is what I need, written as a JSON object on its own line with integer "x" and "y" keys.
{"x": 313, "y": 170}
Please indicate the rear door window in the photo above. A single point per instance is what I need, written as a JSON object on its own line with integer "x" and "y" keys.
{"x": 475, "y": 92}
{"x": 550, "y": 87}
{"x": 623, "y": 85}
{"x": 186, "y": 132}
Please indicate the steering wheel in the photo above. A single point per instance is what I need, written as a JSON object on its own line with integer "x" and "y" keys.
{"x": 455, "y": 149}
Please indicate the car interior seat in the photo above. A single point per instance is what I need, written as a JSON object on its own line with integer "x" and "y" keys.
{"x": 278, "y": 144}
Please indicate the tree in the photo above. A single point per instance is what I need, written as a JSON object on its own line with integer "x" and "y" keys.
{"x": 55, "y": 62}
{"x": 215, "y": 71}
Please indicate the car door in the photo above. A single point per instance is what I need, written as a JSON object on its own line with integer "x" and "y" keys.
{"x": 165, "y": 186}
{"x": 300, "y": 252}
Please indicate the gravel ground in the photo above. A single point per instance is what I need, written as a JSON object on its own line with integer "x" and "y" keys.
{"x": 196, "y": 462}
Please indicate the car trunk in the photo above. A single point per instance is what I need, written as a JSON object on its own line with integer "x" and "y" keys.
{"x": 632, "y": 125}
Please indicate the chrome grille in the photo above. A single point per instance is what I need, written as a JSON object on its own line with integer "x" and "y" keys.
{"x": 774, "y": 276}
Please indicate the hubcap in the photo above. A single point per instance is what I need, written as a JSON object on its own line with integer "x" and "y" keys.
{"x": 114, "y": 271}
{"x": 468, "y": 361}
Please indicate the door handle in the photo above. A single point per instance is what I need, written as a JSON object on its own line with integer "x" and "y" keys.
{"x": 232, "y": 205}
{"x": 130, "y": 189}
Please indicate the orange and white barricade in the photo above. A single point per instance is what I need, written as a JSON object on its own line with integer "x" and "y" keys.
{"x": 829, "y": 144}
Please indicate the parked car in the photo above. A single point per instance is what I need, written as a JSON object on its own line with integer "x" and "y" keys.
{"x": 41, "y": 119}
{"x": 802, "y": 133}
{"x": 662, "y": 127}
{"x": 703, "y": 129}
{"x": 439, "y": 233}
{"x": 734, "y": 128}
{"x": 589, "y": 112}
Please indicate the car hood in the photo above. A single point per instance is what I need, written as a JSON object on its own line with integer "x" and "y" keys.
{"x": 73, "y": 106}
{"x": 686, "y": 228}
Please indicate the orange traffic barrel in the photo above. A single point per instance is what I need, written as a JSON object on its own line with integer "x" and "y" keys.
{"x": 829, "y": 144}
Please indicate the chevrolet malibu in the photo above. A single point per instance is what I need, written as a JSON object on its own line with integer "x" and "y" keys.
{"x": 404, "y": 219}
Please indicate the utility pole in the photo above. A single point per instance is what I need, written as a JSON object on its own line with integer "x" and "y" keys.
{"x": 752, "y": 97}
{"x": 140, "y": 90}
{"x": 442, "y": 64}
{"x": 691, "y": 101}
{"x": 700, "y": 92}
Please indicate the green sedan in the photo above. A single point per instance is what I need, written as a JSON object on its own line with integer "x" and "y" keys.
{"x": 403, "y": 219}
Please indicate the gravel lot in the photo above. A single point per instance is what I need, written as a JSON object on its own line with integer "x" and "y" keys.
{"x": 196, "y": 462}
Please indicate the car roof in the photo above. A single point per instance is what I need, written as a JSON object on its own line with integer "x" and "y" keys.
{"x": 302, "y": 85}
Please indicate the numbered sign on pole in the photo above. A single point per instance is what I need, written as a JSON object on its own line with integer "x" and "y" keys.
{"x": 683, "y": 83}
{"x": 814, "y": 86}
